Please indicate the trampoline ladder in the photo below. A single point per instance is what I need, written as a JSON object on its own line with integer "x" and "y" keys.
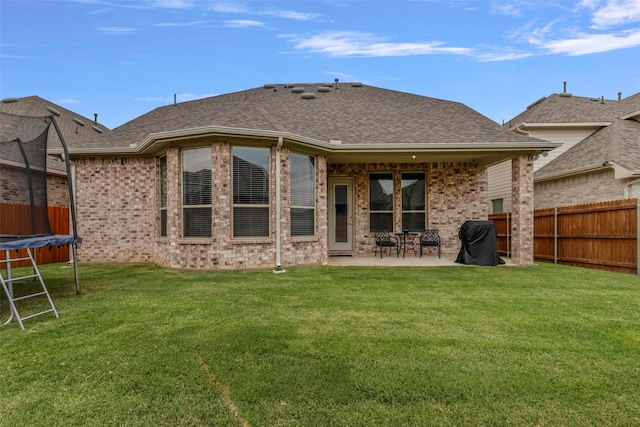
{"x": 7, "y": 285}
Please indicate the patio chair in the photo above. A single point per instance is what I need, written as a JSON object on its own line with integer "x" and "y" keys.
{"x": 430, "y": 238}
{"x": 384, "y": 239}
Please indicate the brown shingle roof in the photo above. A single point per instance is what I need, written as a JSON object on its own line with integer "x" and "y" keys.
{"x": 562, "y": 108}
{"x": 24, "y": 118}
{"x": 351, "y": 113}
{"x": 618, "y": 143}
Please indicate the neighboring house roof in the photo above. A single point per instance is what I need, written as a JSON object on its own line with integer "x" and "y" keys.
{"x": 331, "y": 117}
{"x": 614, "y": 145}
{"x": 615, "y": 142}
{"x": 564, "y": 108}
{"x": 20, "y": 118}
{"x": 630, "y": 107}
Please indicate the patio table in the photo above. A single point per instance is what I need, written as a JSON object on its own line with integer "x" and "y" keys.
{"x": 402, "y": 238}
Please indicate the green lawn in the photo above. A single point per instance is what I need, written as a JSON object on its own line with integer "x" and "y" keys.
{"x": 327, "y": 346}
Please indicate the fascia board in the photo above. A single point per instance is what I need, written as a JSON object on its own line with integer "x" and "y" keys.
{"x": 526, "y": 125}
{"x": 146, "y": 146}
{"x": 630, "y": 115}
{"x": 620, "y": 172}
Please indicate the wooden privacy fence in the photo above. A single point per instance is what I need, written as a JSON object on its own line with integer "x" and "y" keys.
{"x": 599, "y": 235}
{"x": 59, "y": 219}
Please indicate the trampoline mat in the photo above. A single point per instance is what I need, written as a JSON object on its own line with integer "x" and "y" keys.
{"x": 20, "y": 242}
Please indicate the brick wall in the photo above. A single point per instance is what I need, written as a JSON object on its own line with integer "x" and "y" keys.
{"x": 578, "y": 190}
{"x": 11, "y": 179}
{"x": 456, "y": 192}
{"x": 116, "y": 209}
{"x": 118, "y": 212}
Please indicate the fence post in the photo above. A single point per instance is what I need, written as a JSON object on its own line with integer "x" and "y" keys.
{"x": 508, "y": 236}
{"x": 555, "y": 235}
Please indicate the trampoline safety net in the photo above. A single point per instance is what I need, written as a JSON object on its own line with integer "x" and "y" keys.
{"x": 24, "y": 184}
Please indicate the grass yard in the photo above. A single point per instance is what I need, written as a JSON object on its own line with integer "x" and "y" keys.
{"x": 327, "y": 346}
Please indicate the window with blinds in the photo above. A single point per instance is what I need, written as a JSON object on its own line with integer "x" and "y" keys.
{"x": 381, "y": 201}
{"x": 302, "y": 181}
{"x": 251, "y": 191}
{"x": 413, "y": 201}
{"x": 196, "y": 192}
{"x": 163, "y": 196}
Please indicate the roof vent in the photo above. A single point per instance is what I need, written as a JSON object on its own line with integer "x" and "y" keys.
{"x": 53, "y": 111}
{"x": 308, "y": 95}
{"x": 324, "y": 89}
{"x": 78, "y": 121}
{"x": 97, "y": 129}
{"x": 297, "y": 89}
{"x": 335, "y": 141}
{"x": 9, "y": 100}
{"x": 269, "y": 86}
{"x": 356, "y": 84}
{"x": 565, "y": 95}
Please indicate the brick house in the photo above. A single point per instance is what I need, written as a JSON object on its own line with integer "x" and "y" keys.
{"x": 20, "y": 118}
{"x": 286, "y": 174}
{"x": 599, "y": 159}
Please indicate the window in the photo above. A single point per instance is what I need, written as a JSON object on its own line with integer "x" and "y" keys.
{"x": 251, "y": 192}
{"x": 498, "y": 206}
{"x": 381, "y": 202}
{"x": 413, "y": 201}
{"x": 196, "y": 192}
{"x": 302, "y": 182}
{"x": 163, "y": 196}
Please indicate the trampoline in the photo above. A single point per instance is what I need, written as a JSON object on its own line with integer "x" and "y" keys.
{"x": 24, "y": 217}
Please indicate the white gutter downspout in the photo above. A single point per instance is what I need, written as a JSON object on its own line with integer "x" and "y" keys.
{"x": 279, "y": 268}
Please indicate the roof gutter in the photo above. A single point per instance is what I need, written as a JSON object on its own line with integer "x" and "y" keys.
{"x": 146, "y": 146}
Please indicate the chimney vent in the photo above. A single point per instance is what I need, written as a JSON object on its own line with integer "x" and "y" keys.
{"x": 95, "y": 117}
{"x": 619, "y": 96}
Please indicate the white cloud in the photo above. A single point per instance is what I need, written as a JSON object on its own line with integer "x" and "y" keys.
{"x": 180, "y": 24}
{"x": 616, "y": 12}
{"x": 244, "y": 23}
{"x": 236, "y": 8}
{"x": 584, "y": 44}
{"x": 173, "y": 4}
{"x": 504, "y": 8}
{"x": 351, "y": 43}
{"x": 117, "y": 30}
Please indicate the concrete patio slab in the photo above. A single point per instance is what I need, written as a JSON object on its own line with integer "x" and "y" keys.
{"x": 407, "y": 261}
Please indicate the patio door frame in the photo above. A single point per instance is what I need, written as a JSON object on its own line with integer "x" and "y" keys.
{"x": 347, "y": 247}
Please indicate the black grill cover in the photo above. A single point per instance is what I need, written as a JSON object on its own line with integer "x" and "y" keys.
{"x": 479, "y": 244}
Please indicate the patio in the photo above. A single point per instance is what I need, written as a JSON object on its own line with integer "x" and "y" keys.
{"x": 408, "y": 261}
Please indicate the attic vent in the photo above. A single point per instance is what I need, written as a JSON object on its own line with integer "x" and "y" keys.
{"x": 356, "y": 84}
{"x": 78, "y": 121}
{"x": 97, "y": 129}
{"x": 335, "y": 141}
{"x": 269, "y": 86}
{"x": 297, "y": 89}
{"x": 324, "y": 89}
{"x": 565, "y": 95}
{"x": 53, "y": 111}
{"x": 308, "y": 95}
{"x": 9, "y": 100}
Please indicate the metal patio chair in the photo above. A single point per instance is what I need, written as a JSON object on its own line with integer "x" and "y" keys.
{"x": 430, "y": 238}
{"x": 384, "y": 239}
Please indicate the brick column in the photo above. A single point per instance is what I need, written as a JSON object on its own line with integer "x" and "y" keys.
{"x": 522, "y": 210}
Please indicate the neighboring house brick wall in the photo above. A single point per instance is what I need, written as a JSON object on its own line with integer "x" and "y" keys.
{"x": 579, "y": 189}
{"x": 11, "y": 179}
